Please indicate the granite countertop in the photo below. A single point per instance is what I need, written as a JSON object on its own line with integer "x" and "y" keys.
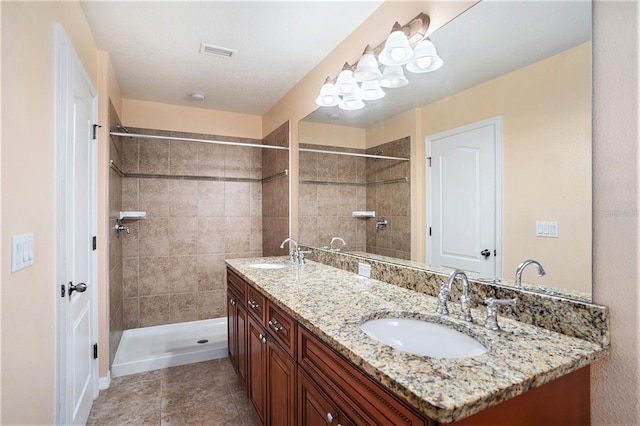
{"x": 333, "y": 303}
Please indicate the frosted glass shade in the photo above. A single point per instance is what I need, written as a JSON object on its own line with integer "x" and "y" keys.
{"x": 397, "y": 50}
{"x": 425, "y": 59}
{"x": 328, "y": 95}
{"x": 367, "y": 69}
{"x": 345, "y": 82}
{"x": 352, "y": 101}
{"x": 393, "y": 77}
{"x": 371, "y": 90}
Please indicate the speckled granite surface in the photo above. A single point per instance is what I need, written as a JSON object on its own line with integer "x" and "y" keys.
{"x": 571, "y": 317}
{"x": 333, "y": 303}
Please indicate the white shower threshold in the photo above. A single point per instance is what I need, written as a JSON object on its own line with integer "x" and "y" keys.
{"x": 171, "y": 345}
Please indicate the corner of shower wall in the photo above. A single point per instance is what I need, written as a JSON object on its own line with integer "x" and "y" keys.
{"x": 115, "y": 285}
{"x": 275, "y": 192}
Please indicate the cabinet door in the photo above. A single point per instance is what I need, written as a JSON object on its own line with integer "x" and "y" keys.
{"x": 242, "y": 353}
{"x": 314, "y": 407}
{"x": 232, "y": 330}
{"x": 281, "y": 385}
{"x": 257, "y": 362}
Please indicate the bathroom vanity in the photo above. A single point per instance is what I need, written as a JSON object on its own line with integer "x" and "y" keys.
{"x": 296, "y": 344}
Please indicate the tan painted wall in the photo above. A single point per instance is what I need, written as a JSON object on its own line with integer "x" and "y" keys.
{"x": 615, "y": 381}
{"x": 329, "y": 135}
{"x": 28, "y": 200}
{"x": 153, "y": 115}
{"x": 547, "y": 160}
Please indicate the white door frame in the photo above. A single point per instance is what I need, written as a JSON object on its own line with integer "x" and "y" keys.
{"x": 497, "y": 123}
{"x": 65, "y": 54}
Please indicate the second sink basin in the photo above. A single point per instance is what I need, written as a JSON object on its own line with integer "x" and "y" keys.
{"x": 423, "y": 338}
{"x": 269, "y": 265}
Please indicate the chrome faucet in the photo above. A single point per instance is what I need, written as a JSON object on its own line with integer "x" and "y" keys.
{"x": 294, "y": 252}
{"x": 524, "y": 265}
{"x": 334, "y": 239}
{"x": 465, "y": 300}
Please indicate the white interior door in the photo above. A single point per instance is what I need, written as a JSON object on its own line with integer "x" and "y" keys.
{"x": 464, "y": 200}
{"x": 76, "y": 223}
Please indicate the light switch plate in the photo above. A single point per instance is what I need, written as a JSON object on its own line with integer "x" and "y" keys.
{"x": 21, "y": 252}
{"x": 547, "y": 229}
{"x": 364, "y": 270}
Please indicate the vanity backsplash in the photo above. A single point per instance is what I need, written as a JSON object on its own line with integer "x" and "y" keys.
{"x": 573, "y": 318}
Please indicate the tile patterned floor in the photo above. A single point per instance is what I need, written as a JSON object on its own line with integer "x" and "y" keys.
{"x": 206, "y": 393}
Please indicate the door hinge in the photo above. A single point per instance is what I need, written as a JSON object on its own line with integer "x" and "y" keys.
{"x": 95, "y": 131}
{"x": 94, "y": 242}
{"x": 429, "y": 231}
{"x": 429, "y": 160}
{"x": 495, "y": 252}
{"x": 63, "y": 290}
{"x": 95, "y": 351}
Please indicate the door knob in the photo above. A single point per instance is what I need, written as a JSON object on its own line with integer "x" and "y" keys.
{"x": 80, "y": 288}
{"x": 486, "y": 253}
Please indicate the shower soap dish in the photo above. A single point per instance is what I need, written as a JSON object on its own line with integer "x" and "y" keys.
{"x": 133, "y": 215}
{"x": 363, "y": 214}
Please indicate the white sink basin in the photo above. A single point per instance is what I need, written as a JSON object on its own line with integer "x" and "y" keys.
{"x": 423, "y": 338}
{"x": 269, "y": 265}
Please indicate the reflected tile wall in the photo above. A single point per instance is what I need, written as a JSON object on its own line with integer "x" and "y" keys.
{"x": 116, "y": 265}
{"x": 275, "y": 193}
{"x": 173, "y": 261}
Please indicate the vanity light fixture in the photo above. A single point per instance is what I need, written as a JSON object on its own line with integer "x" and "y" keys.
{"x": 406, "y": 45}
{"x": 328, "y": 94}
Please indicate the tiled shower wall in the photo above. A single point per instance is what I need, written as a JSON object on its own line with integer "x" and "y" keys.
{"x": 333, "y": 186}
{"x": 116, "y": 325}
{"x": 389, "y": 199}
{"x": 275, "y": 190}
{"x": 203, "y": 204}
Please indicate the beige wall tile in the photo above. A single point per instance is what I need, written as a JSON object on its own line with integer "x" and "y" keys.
{"x": 130, "y": 191}
{"x": 154, "y": 237}
{"x": 211, "y": 160}
{"x": 211, "y": 304}
{"x": 183, "y": 274}
{"x": 130, "y": 277}
{"x": 154, "y": 310}
{"x": 154, "y": 197}
{"x": 183, "y": 198}
{"x": 183, "y": 307}
{"x": 211, "y": 235}
{"x": 130, "y": 156}
{"x": 210, "y": 199}
{"x": 130, "y": 313}
{"x": 237, "y": 235}
{"x": 130, "y": 242}
{"x": 327, "y": 200}
{"x": 237, "y": 162}
{"x": 237, "y": 199}
{"x": 183, "y": 236}
{"x": 255, "y": 200}
{"x": 153, "y": 276}
{"x": 154, "y": 156}
{"x": 211, "y": 272}
{"x": 183, "y": 158}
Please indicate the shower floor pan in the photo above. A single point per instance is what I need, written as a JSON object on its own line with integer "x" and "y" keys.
{"x": 153, "y": 348}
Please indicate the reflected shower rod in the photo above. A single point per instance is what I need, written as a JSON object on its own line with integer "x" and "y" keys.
{"x": 175, "y": 138}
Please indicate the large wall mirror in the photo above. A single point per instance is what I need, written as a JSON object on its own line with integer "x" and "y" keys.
{"x": 522, "y": 72}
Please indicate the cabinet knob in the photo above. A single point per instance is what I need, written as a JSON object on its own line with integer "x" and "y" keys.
{"x": 252, "y": 304}
{"x": 233, "y": 302}
{"x": 330, "y": 418}
{"x": 263, "y": 338}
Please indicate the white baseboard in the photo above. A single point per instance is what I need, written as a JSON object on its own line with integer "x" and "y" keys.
{"x": 105, "y": 382}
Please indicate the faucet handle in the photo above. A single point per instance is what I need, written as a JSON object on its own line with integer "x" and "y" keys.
{"x": 491, "y": 321}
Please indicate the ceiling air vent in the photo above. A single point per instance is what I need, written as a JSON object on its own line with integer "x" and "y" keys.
{"x": 210, "y": 49}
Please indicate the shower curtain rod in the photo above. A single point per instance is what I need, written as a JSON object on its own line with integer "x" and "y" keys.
{"x": 175, "y": 138}
{"x": 353, "y": 154}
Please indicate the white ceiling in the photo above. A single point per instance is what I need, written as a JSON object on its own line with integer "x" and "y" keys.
{"x": 154, "y": 47}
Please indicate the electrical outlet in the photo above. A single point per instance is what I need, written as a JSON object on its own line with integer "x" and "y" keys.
{"x": 364, "y": 270}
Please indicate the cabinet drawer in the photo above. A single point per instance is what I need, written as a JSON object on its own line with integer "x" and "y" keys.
{"x": 255, "y": 305}
{"x": 282, "y": 327}
{"x": 355, "y": 394}
{"x": 237, "y": 285}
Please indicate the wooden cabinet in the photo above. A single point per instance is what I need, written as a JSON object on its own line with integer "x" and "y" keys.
{"x": 237, "y": 329}
{"x": 314, "y": 407}
{"x": 294, "y": 378}
{"x": 356, "y": 395}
